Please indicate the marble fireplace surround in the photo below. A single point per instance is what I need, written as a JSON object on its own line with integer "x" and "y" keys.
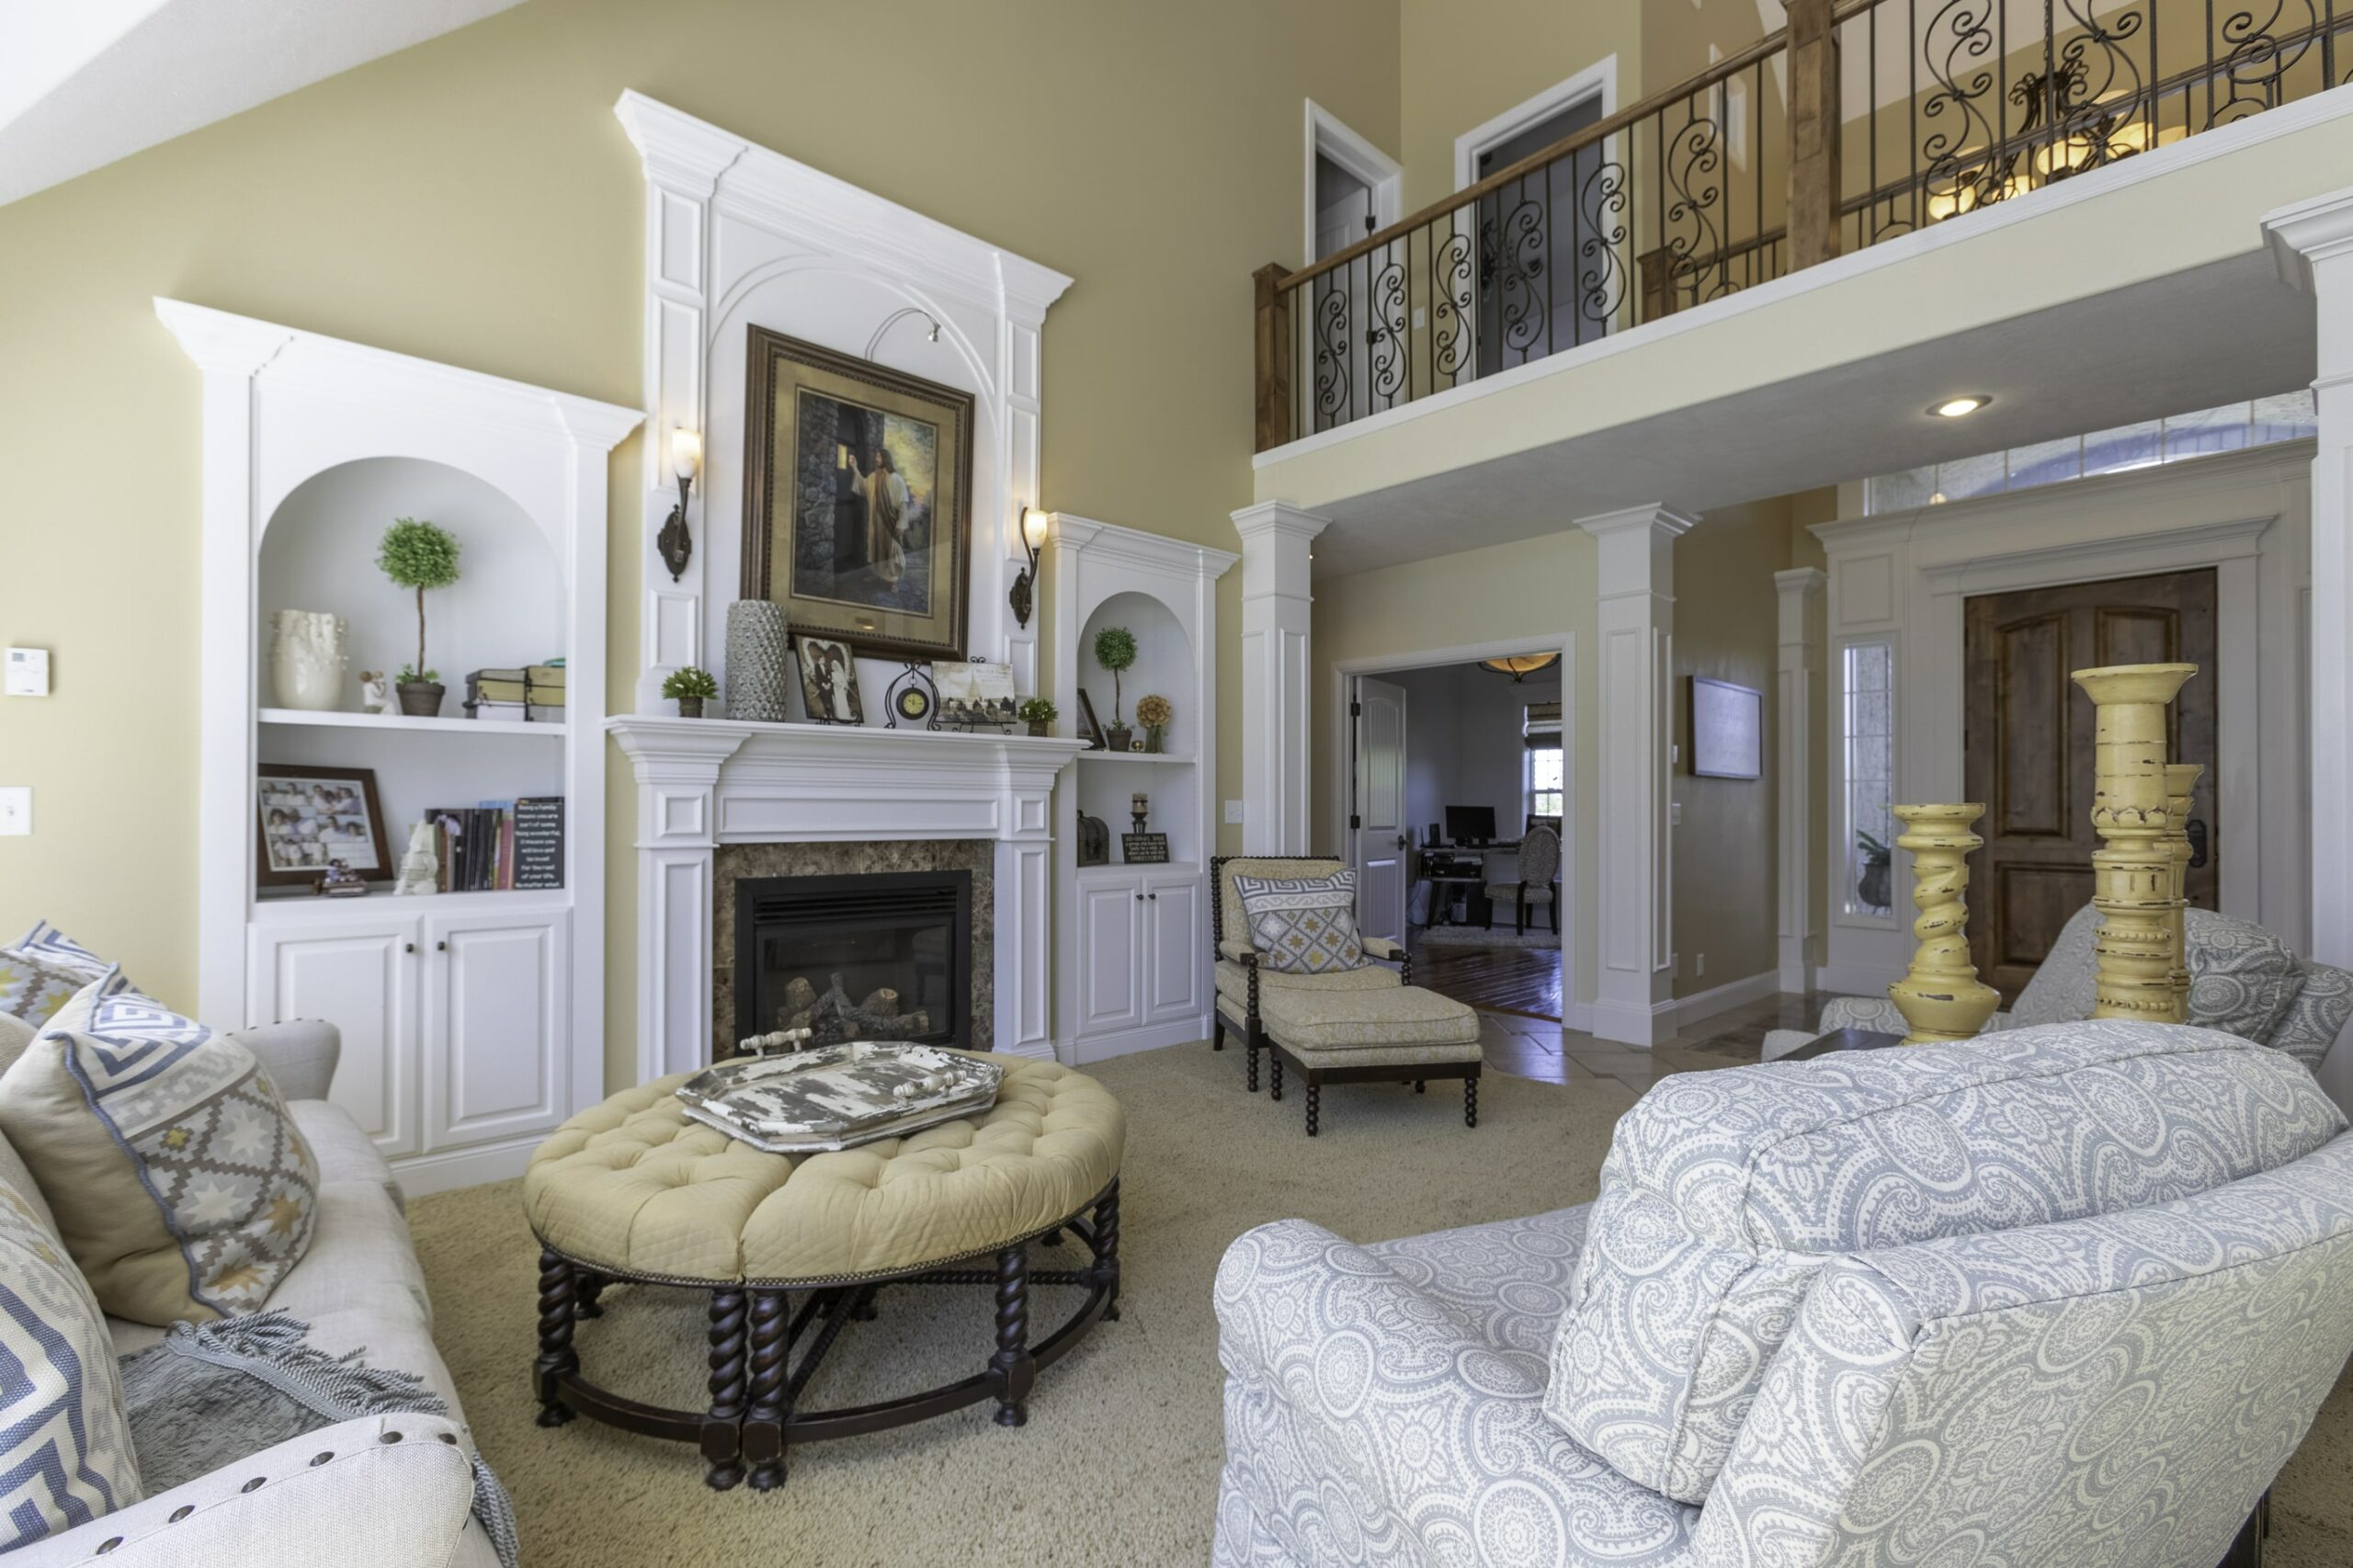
{"x": 733, "y": 862}
{"x": 706, "y": 783}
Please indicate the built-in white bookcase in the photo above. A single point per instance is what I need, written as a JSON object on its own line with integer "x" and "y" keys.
{"x": 472, "y": 1023}
{"x": 1131, "y": 947}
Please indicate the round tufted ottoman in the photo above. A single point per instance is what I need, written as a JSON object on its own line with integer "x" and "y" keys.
{"x": 634, "y": 1191}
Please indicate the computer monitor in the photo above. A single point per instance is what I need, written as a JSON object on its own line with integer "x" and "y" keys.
{"x": 1470, "y": 825}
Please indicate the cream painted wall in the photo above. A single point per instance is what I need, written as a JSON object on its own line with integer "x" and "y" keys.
{"x": 1465, "y": 62}
{"x": 1727, "y": 627}
{"x": 1535, "y": 589}
{"x": 475, "y": 201}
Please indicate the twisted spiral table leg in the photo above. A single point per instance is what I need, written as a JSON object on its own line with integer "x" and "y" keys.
{"x": 1106, "y": 1250}
{"x": 722, "y": 1428}
{"x": 557, "y": 1356}
{"x": 1315, "y": 1105}
{"x": 1471, "y": 1100}
{"x": 1012, "y": 1366}
{"x": 592, "y": 1286}
{"x": 764, "y": 1430}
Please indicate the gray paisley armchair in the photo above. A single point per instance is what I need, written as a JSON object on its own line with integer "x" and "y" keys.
{"x": 2068, "y": 1295}
{"x": 2243, "y": 979}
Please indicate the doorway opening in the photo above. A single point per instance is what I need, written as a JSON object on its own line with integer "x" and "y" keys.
{"x": 1455, "y": 793}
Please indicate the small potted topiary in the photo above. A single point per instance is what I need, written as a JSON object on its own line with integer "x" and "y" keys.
{"x": 690, "y": 688}
{"x": 419, "y": 555}
{"x": 1115, "y": 650}
{"x": 1040, "y": 715}
{"x": 1154, "y": 713}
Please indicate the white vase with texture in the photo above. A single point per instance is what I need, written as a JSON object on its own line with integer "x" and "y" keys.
{"x": 307, "y": 658}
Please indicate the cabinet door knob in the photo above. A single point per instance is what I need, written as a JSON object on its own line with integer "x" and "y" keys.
{"x": 1154, "y": 896}
{"x": 441, "y": 947}
{"x": 408, "y": 947}
{"x": 1139, "y": 898}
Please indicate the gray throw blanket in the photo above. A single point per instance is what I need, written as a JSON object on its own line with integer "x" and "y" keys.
{"x": 212, "y": 1394}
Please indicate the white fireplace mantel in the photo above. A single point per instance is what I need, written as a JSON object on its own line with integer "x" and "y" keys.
{"x": 704, "y": 782}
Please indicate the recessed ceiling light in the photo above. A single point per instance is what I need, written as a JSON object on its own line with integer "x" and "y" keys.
{"x": 1959, "y": 407}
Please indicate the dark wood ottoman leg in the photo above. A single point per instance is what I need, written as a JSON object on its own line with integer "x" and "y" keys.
{"x": 1314, "y": 1103}
{"x": 584, "y": 1298}
{"x": 771, "y": 1397}
{"x": 1107, "y": 1251}
{"x": 722, "y": 1428}
{"x": 1471, "y": 1100}
{"x": 1420, "y": 1085}
{"x": 1012, "y": 1366}
{"x": 557, "y": 1356}
{"x": 1274, "y": 1073}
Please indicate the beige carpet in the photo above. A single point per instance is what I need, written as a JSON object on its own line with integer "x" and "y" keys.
{"x": 1118, "y": 1462}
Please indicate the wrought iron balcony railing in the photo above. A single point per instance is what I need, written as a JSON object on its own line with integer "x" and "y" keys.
{"x": 1860, "y": 121}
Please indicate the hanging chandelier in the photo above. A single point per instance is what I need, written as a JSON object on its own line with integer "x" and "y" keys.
{"x": 1520, "y": 666}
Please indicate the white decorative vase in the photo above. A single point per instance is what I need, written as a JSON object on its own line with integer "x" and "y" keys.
{"x": 307, "y": 659}
{"x": 759, "y": 664}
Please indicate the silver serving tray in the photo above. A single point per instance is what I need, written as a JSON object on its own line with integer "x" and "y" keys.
{"x": 840, "y": 1096}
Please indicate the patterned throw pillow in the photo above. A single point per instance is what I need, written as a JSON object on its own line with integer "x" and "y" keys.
{"x": 41, "y": 970}
{"x": 181, "y": 1187}
{"x": 65, "y": 1449}
{"x": 1303, "y": 926}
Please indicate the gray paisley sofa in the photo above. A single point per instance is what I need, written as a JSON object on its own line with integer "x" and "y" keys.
{"x": 2243, "y": 979}
{"x": 2070, "y": 1295}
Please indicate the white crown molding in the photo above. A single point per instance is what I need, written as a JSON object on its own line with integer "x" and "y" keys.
{"x": 216, "y": 340}
{"x": 700, "y": 159}
{"x": 2319, "y": 228}
{"x": 1154, "y": 553}
{"x": 1278, "y": 519}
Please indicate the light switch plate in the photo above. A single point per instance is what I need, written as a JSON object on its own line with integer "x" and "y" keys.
{"x": 15, "y": 810}
{"x": 1675, "y": 813}
{"x": 1234, "y": 811}
{"x": 28, "y": 672}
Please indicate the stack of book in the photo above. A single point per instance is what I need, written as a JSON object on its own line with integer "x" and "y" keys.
{"x": 499, "y": 845}
{"x": 534, "y": 691}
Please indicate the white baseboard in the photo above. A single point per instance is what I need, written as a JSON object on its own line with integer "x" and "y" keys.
{"x": 1855, "y": 979}
{"x": 452, "y": 1168}
{"x": 1577, "y": 1015}
{"x": 1705, "y": 1004}
{"x": 1631, "y": 1024}
{"x": 1089, "y": 1049}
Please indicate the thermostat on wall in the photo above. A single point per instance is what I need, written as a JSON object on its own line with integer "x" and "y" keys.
{"x": 28, "y": 672}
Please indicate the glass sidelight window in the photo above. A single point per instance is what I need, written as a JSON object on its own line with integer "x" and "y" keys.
{"x": 1867, "y": 736}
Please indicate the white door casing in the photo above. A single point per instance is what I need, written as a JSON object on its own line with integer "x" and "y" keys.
{"x": 1380, "y": 811}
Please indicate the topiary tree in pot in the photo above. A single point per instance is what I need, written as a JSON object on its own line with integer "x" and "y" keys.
{"x": 1115, "y": 650}
{"x": 419, "y": 555}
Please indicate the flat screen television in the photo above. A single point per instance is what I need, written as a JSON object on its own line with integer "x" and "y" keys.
{"x": 1470, "y": 825}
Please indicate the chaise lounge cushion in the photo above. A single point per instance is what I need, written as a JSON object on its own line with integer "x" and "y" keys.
{"x": 1396, "y": 1018}
{"x": 1233, "y": 983}
{"x": 1726, "y": 1193}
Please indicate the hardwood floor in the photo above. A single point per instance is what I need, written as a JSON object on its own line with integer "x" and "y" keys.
{"x": 1524, "y": 981}
{"x": 1544, "y": 1049}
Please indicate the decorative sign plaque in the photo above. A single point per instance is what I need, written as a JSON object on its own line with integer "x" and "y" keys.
{"x": 1144, "y": 849}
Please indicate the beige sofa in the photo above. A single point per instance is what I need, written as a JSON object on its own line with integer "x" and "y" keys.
{"x": 383, "y": 1500}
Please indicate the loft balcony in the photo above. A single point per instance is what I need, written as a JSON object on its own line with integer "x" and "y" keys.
{"x": 1886, "y": 201}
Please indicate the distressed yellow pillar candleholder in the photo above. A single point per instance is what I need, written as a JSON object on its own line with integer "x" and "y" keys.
{"x": 2133, "y": 886}
{"x": 1941, "y": 997}
{"x": 2181, "y": 780}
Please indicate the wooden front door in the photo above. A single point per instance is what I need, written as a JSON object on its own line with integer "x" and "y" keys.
{"x": 2027, "y": 738}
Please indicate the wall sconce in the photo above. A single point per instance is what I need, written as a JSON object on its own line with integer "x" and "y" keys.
{"x": 1033, "y": 535}
{"x": 676, "y": 546}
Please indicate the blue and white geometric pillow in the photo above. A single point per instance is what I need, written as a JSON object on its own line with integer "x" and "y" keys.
{"x": 1302, "y": 925}
{"x": 65, "y": 1453}
{"x": 181, "y": 1187}
{"x": 41, "y": 970}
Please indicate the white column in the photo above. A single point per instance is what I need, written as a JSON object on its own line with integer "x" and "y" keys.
{"x": 1801, "y": 665}
{"x": 1634, "y": 987}
{"x": 2312, "y": 243}
{"x": 677, "y": 822}
{"x": 1276, "y": 603}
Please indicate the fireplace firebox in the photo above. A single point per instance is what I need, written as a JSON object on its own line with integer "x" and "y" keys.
{"x": 880, "y": 955}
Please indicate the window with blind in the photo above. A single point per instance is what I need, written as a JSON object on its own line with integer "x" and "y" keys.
{"x": 1540, "y": 788}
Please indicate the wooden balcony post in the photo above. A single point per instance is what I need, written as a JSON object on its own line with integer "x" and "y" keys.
{"x": 1273, "y": 357}
{"x": 1813, "y": 134}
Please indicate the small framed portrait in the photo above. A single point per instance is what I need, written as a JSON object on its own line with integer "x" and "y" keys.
{"x": 829, "y": 681}
{"x": 1090, "y": 729}
{"x": 974, "y": 693}
{"x": 313, "y": 817}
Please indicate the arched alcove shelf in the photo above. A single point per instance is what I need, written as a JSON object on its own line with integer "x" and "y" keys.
{"x": 472, "y": 1023}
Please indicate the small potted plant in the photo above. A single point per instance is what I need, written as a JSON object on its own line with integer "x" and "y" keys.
{"x": 420, "y": 556}
{"x": 1872, "y": 887}
{"x": 1115, "y": 650}
{"x": 690, "y": 688}
{"x": 1154, "y": 713}
{"x": 1040, "y": 715}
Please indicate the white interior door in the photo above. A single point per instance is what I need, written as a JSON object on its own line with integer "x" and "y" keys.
{"x": 1378, "y": 819}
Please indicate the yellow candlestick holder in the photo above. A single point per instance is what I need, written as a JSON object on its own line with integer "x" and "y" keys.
{"x": 2181, "y": 780}
{"x": 2135, "y": 873}
{"x": 1941, "y": 997}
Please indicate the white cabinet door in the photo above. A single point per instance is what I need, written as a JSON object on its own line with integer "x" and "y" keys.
{"x": 1173, "y": 944}
{"x": 497, "y": 1029}
{"x": 1110, "y": 984}
{"x": 360, "y": 976}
